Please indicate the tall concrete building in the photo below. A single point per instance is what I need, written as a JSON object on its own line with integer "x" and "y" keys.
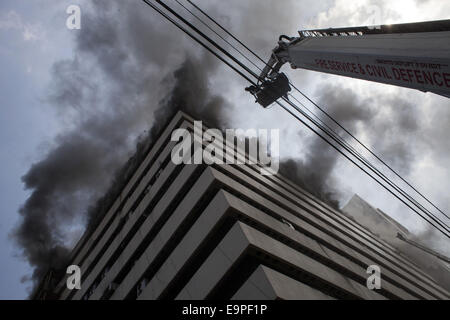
{"x": 197, "y": 231}
{"x": 389, "y": 230}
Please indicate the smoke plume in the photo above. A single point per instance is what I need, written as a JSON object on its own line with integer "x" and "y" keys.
{"x": 132, "y": 71}
{"x": 107, "y": 96}
{"x": 313, "y": 171}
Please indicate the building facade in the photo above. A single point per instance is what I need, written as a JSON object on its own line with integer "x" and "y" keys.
{"x": 414, "y": 248}
{"x": 197, "y": 231}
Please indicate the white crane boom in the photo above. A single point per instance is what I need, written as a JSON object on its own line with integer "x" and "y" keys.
{"x": 413, "y": 55}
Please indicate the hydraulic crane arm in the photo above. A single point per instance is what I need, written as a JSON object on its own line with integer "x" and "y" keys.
{"x": 413, "y": 55}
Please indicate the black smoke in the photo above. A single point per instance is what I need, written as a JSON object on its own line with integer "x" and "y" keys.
{"x": 313, "y": 169}
{"x": 120, "y": 82}
{"x": 132, "y": 71}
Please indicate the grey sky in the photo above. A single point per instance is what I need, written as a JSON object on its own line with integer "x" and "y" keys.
{"x": 33, "y": 37}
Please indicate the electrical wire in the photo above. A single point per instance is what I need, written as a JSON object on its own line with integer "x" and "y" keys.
{"x": 360, "y": 157}
{"x": 208, "y": 39}
{"x": 371, "y": 152}
{"x": 314, "y": 103}
{"x": 355, "y": 153}
{"x": 352, "y": 150}
{"x": 197, "y": 40}
{"x": 217, "y": 46}
{"x": 372, "y": 168}
{"x": 226, "y": 31}
{"x": 357, "y": 165}
{"x": 219, "y": 35}
{"x": 233, "y": 58}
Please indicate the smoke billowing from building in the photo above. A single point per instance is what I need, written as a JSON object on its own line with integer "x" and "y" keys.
{"x": 314, "y": 171}
{"x": 132, "y": 71}
{"x": 106, "y": 95}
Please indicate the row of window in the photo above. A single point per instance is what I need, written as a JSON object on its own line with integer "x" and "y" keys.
{"x": 123, "y": 220}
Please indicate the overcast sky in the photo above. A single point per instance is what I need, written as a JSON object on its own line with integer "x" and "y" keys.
{"x": 409, "y": 129}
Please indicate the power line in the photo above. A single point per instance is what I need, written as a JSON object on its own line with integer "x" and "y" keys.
{"x": 353, "y": 151}
{"x": 371, "y": 152}
{"x": 219, "y": 35}
{"x": 254, "y": 75}
{"x": 361, "y": 168}
{"x": 215, "y": 44}
{"x": 361, "y": 158}
{"x": 197, "y": 40}
{"x": 314, "y": 103}
{"x": 227, "y": 32}
{"x": 358, "y": 156}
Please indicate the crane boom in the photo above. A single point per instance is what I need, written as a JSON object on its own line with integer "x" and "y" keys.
{"x": 412, "y": 55}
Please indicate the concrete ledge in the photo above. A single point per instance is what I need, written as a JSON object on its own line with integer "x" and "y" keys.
{"x": 268, "y": 284}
